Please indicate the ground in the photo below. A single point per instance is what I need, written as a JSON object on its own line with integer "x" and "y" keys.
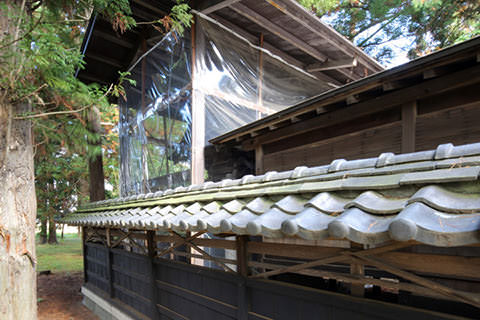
{"x": 60, "y": 298}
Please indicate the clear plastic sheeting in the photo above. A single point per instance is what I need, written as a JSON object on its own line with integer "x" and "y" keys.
{"x": 155, "y": 120}
{"x": 242, "y": 82}
{"x": 236, "y": 82}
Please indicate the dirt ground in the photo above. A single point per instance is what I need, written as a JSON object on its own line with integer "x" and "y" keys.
{"x": 60, "y": 298}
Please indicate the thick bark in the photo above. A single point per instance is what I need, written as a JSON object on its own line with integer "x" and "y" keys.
{"x": 95, "y": 165}
{"x": 43, "y": 230}
{"x": 17, "y": 217}
{"x": 52, "y": 231}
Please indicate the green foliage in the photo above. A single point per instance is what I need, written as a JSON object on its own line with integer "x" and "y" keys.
{"x": 66, "y": 256}
{"x": 38, "y": 61}
{"x": 420, "y": 26}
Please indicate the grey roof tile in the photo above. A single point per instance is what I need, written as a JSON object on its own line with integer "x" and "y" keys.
{"x": 441, "y": 175}
{"x": 268, "y": 224}
{"x": 447, "y": 201}
{"x": 259, "y": 205}
{"x": 238, "y": 222}
{"x": 427, "y": 225}
{"x": 310, "y": 224}
{"x": 373, "y": 202}
{"x": 290, "y": 204}
{"x": 327, "y": 202}
{"x": 361, "y": 227}
{"x": 233, "y": 206}
{"x": 367, "y": 201}
{"x": 373, "y": 182}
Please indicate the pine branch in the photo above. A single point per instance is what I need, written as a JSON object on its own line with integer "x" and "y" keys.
{"x": 50, "y": 113}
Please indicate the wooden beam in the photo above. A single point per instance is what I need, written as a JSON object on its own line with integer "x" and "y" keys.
{"x": 409, "y": 120}
{"x": 363, "y": 108}
{"x": 299, "y": 14}
{"x": 105, "y": 60}
{"x": 342, "y": 257}
{"x": 219, "y": 6}
{"x": 259, "y": 160}
{"x": 277, "y": 30}
{"x": 448, "y": 292}
{"x": 150, "y": 7}
{"x": 117, "y": 40}
{"x": 333, "y": 64}
{"x": 285, "y": 35}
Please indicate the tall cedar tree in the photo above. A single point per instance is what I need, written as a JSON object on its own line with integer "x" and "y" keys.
{"x": 43, "y": 104}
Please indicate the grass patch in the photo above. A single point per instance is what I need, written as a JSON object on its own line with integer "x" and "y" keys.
{"x": 66, "y": 256}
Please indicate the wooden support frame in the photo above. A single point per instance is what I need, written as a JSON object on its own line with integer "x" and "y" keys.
{"x": 219, "y": 6}
{"x": 203, "y": 253}
{"x": 333, "y": 65}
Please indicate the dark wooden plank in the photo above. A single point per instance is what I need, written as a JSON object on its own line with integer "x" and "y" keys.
{"x": 151, "y": 246}
{"x": 409, "y": 121}
{"x": 198, "y": 298}
{"x": 380, "y": 103}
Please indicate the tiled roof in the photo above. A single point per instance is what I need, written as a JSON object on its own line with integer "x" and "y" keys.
{"x": 432, "y": 197}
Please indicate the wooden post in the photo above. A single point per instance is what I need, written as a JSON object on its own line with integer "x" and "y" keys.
{"x": 151, "y": 247}
{"x": 242, "y": 259}
{"x": 357, "y": 269}
{"x": 259, "y": 160}
{"x": 409, "y": 121}
{"x": 242, "y": 270}
{"x": 84, "y": 252}
{"x": 198, "y": 123}
{"x": 109, "y": 263}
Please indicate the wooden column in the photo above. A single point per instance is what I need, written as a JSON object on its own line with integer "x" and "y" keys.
{"x": 198, "y": 122}
{"x": 409, "y": 121}
{"x": 151, "y": 246}
{"x": 357, "y": 269}
{"x": 84, "y": 252}
{"x": 259, "y": 160}
{"x": 242, "y": 270}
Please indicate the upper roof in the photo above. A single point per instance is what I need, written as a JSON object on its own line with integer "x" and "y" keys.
{"x": 283, "y": 27}
{"x": 432, "y": 197}
{"x": 388, "y": 85}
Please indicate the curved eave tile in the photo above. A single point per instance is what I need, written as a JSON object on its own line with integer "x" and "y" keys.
{"x": 424, "y": 224}
{"x": 238, "y": 222}
{"x": 327, "y": 202}
{"x": 447, "y": 201}
{"x": 361, "y": 227}
{"x": 268, "y": 224}
{"x": 310, "y": 224}
{"x": 375, "y": 203}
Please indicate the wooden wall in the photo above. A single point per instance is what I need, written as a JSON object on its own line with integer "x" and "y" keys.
{"x": 423, "y": 124}
{"x": 139, "y": 272}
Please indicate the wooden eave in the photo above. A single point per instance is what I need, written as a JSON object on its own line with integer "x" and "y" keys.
{"x": 288, "y": 31}
{"x": 443, "y": 70}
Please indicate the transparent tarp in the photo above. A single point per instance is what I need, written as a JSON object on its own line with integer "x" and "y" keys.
{"x": 155, "y": 120}
{"x": 236, "y": 82}
{"x": 243, "y": 82}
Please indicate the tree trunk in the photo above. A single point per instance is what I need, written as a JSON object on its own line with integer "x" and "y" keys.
{"x": 18, "y": 294}
{"x": 52, "y": 231}
{"x": 43, "y": 230}
{"x": 95, "y": 165}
